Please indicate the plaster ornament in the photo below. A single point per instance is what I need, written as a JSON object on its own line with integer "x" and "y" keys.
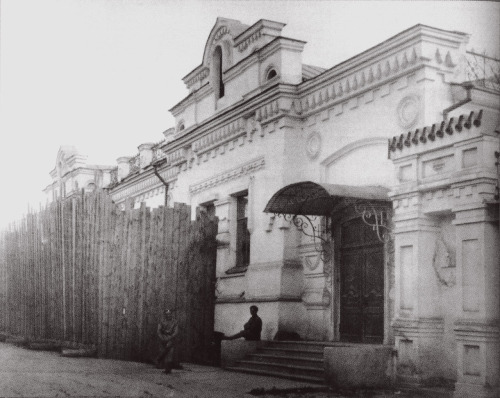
{"x": 408, "y": 111}
{"x": 443, "y": 262}
{"x": 313, "y": 145}
{"x": 312, "y": 261}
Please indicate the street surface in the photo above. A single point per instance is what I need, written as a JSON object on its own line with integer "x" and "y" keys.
{"x": 27, "y": 373}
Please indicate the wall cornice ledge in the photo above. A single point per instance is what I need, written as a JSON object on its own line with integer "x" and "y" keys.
{"x": 142, "y": 183}
{"x": 237, "y": 172}
{"x": 404, "y": 48}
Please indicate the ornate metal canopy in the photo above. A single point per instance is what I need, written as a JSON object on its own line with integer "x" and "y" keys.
{"x": 297, "y": 202}
{"x": 313, "y": 199}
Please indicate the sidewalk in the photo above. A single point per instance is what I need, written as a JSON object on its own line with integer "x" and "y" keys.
{"x": 26, "y": 373}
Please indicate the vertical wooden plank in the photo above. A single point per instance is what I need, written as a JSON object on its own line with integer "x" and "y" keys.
{"x": 112, "y": 227}
{"x": 72, "y": 270}
{"x": 92, "y": 292}
{"x": 85, "y": 268}
{"x": 102, "y": 220}
{"x": 79, "y": 269}
{"x": 150, "y": 314}
{"x": 141, "y": 280}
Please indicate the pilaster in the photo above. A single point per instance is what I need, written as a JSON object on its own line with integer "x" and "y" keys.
{"x": 447, "y": 253}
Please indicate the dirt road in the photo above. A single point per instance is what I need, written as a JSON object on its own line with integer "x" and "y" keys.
{"x": 26, "y": 373}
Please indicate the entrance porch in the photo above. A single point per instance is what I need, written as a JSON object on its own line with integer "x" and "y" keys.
{"x": 348, "y": 281}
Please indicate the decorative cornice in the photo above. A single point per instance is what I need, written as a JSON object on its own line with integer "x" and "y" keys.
{"x": 261, "y": 28}
{"x": 436, "y": 131}
{"x": 202, "y": 74}
{"x": 134, "y": 186}
{"x": 244, "y": 169}
{"x": 218, "y": 136}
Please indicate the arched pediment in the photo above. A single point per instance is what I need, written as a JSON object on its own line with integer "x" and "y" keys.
{"x": 223, "y": 33}
{"x": 67, "y": 159}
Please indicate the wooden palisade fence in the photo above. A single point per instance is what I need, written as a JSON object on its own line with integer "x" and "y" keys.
{"x": 83, "y": 271}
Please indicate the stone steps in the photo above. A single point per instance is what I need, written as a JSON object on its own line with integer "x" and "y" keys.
{"x": 301, "y": 361}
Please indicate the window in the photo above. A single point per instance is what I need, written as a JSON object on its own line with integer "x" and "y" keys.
{"x": 242, "y": 233}
{"x": 271, "y": 74}
{"x": 181, "y": 127}
{"x": 217, "y": 74}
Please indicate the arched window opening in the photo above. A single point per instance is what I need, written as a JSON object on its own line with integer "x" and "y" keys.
{"x": 91, "y": 187}
{"x": 217, "y": 64}
{"x": 271, "y": 74}
{"x": 181, "y": 127}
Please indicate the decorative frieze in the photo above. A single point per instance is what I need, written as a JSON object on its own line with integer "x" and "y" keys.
{"x": 150, "y": 194}
{"x": 204, "y": 73}
{"x": 220, "y": 32}
{"x": 218, "y": 136}
{"x": 267, "y": 111}
{"x": 349, "y": 85}
{"x": 177, "y": 156}
{"x": 238, "y": 172}
{"x": 249, "y": 40}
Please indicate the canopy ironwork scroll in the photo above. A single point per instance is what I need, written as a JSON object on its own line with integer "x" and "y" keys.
{"x": 373, "y": 214}
{"x": 315, "y": 228}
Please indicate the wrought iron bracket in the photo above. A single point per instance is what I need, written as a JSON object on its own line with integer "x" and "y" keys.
{"x": 319, "y": 232}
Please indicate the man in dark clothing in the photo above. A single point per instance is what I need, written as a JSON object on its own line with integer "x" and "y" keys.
{"x": 167, "y": 332}
{"x": 251, "y": 329}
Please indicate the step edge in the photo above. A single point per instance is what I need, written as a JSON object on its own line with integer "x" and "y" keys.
{"x": 276, "y": 374}
{"x": 307, "y": 368}
{"x": 287, "y": 357}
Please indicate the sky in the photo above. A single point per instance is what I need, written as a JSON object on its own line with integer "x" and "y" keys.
{"x": 102, "y": 74}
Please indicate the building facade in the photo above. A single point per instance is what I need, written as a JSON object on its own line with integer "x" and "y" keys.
{"x": 347, "y": 210}
{"x": 72, "y": 174}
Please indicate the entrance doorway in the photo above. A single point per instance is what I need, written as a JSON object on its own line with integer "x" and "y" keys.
{"x": 361, "y": 284}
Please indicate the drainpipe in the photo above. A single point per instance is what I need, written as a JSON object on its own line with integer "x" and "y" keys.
{"x": 468, "y": 87}
{"x": 497, "y": 163}
{"x": 155, "y": 170}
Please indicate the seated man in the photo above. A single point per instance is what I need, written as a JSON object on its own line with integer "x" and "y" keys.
{"x": 252, "y": 328}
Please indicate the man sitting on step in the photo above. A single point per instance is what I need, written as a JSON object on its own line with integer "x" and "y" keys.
{"x": 251, "y": 329}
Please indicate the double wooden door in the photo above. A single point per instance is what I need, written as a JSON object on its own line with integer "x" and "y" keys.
{"x": 361, "y": 284}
